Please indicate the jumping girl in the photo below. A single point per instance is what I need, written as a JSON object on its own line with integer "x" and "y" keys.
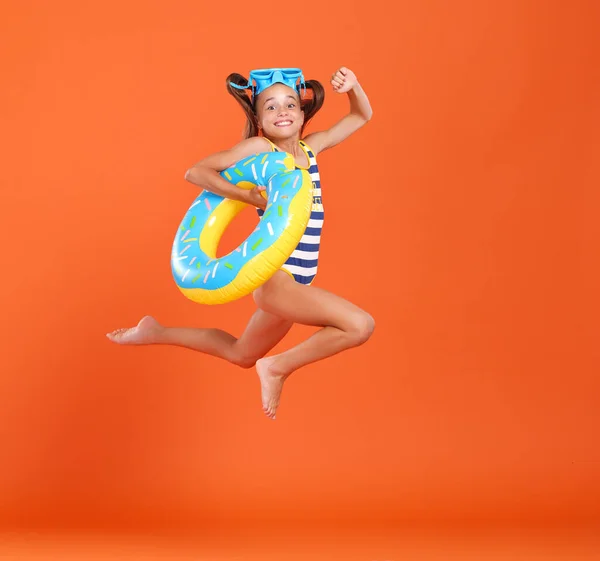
{"x": 277, "y": 108}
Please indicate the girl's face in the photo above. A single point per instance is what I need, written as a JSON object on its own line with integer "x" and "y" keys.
{"x": 278, "y": 112}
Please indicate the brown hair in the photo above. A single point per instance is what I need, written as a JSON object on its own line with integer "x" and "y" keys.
{"x": 310, "y": 104}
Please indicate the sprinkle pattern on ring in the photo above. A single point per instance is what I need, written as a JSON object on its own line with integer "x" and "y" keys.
{"x": 198, "y": 271}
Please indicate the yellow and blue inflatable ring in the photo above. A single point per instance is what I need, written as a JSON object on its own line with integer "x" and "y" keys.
{"x": 207, "y": 279}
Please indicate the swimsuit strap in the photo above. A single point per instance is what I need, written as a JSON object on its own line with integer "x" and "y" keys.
{"x": 275, "y": 149}
{"x": 307, "y": 147}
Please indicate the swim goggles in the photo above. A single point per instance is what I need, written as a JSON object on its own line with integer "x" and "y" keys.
{"x": 266, "y": 77}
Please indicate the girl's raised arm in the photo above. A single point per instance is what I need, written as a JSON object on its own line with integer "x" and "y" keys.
{"x": 344, "y": 81}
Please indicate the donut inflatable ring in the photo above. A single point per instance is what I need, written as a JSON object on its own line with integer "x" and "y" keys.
{"x": 207, "y": 279}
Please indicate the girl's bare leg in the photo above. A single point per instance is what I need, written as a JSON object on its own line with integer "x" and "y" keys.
{"x": 344, "y": 325}
{"x": 263, "y": 332}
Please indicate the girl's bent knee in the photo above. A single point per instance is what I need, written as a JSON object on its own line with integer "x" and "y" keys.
{"x": 244, "y": 361}
{"x": 241, "y": 358}
{"x": 362, "y": 329}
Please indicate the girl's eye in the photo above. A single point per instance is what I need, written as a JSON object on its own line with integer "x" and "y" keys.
{"x": 292, "y": 105}
{"x": 271, "y": 107}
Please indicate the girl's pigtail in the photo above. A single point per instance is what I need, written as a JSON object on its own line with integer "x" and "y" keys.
{"x": 251, "y": 128}
{"x": 314, "y": 101}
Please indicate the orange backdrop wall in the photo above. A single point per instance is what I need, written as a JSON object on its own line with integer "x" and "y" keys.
{"x": 464, "y": 217}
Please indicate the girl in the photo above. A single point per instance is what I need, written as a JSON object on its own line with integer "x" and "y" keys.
{"x": 277, "y": 111}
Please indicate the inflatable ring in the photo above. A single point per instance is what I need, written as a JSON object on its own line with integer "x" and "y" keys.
{"x": 207, "y": 279}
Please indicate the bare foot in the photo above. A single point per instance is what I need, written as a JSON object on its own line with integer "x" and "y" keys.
{"x": 271, "y": 384}
{"x": 145, "y": 333}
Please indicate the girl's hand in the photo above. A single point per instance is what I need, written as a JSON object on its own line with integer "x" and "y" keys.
{"x": 256, "y": 198}
{"x": 343, "y": 80}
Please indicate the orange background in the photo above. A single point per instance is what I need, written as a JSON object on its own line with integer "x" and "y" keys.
{"x": 464, "y": 217}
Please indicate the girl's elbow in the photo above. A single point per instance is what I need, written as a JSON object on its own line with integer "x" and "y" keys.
{"x": 193, "y": 174}
{"x": 364, "y": 118}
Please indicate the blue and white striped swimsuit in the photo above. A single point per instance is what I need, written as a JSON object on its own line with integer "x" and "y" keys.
{"x": 302, "y": 264}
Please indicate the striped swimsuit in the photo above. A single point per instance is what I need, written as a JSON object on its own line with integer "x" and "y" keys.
{"x": 302, "y": 264}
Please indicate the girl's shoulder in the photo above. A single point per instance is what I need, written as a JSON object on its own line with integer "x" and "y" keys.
{"x": 250, "y": 146}
{"x": 226, "y": 158}
{"x": 257, "y": 144}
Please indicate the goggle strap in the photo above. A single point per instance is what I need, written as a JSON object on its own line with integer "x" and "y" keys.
{"x": 238, "y": 87}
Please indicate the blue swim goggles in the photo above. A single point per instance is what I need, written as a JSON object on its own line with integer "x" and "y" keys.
{"x": 266, "y": 77}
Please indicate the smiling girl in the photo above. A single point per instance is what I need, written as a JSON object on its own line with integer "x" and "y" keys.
{"x": 278, "y": 107}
